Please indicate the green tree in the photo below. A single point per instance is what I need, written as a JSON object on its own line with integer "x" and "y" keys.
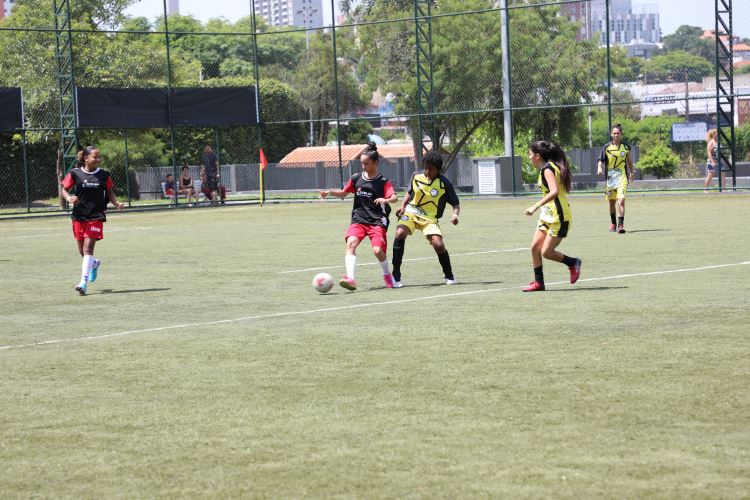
{"x": 358, "y": 131}
{"x": 467, "y": 68}
{"x": 677, "y": 66}
{"x": 688, "y": 39}
{"x": 315, "y": 80}
{"x": 659, "y": 161}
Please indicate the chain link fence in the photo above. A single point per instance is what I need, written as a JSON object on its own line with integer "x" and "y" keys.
{"x": 326, "y": 88}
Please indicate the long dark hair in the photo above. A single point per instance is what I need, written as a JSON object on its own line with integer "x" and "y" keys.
{"x": 371, "y": 152}
{"x": 551, "y": 152}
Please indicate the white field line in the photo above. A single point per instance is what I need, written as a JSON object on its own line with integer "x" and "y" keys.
{"x": 66, "y": 233}
{"x": 359, "y": 306}
{"x": 405, "y": 260}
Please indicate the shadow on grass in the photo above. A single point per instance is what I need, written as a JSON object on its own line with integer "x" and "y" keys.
{"x": 648, "y": 230}
{"x": 142, "y": 290}
{"x": 586, "y": 288}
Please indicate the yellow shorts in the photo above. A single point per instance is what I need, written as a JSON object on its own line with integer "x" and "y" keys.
{"x": 554, "y": 227}
{"x": 617, "y": 185}
{"x": 617, "y": 193}
{"x": 414, "y": 221}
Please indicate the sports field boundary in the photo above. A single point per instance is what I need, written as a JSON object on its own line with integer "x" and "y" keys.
{"x": 466, "y": 293}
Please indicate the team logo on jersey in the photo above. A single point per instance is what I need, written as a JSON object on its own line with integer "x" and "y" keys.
{"x": 622, "y": 153}
{"x": 366, "y": 194}
{"x": 433, "y": 192}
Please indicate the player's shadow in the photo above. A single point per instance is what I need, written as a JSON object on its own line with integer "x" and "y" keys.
{"x": 648, "y": 230}
{"x": 142, "y": 290}
{"x": 586, "y": 289}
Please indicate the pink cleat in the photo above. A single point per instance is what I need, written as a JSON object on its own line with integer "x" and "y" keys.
{"x": 534, "y": 286}
{"x": 388, "y": 279}
{"x": 348, "y": 283}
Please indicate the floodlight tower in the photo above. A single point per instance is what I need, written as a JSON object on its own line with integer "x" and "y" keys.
{"x": 425, "y": 95}
{"x": 725, "y": 137}
{"x": 66, "y": 83}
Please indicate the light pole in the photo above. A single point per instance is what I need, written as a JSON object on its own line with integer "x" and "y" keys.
{"x": 307, "y": 10}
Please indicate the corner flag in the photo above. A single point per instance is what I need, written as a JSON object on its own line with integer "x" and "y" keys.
{"x": 263, "y": 165}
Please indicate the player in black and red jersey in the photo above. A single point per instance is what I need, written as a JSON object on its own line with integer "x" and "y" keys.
{"x": 93, "y": 189}
{"x": 372, "y": 194}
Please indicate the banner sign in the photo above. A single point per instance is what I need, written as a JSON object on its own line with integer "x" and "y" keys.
{"x": 689, "y": 132}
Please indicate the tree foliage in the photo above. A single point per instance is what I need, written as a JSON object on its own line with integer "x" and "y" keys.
{"x": 688, "y": 39}
{"x": 677, "y": 66}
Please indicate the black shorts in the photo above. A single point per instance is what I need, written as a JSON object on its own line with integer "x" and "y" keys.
{"x": 212, "y": 183}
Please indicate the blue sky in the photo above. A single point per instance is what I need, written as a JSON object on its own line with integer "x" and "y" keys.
{"x": 672, "y": 13}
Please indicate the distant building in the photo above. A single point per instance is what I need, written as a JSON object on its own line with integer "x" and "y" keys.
{"x": 6, "y": 7}
{"x": 635, "y": 28}
{"x": 302, "y": 13}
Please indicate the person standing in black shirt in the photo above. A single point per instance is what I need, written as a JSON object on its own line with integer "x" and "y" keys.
{"x": 372, "y": 194}
{"x": 211, "y": 173}
{"x": 93, "y": 189}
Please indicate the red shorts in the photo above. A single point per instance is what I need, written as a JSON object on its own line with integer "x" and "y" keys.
{"x": 376, "y": 234}
{"x": 93, "y": 229}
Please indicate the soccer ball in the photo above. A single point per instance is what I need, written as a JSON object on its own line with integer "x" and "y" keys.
{"x": 322, "y": 282}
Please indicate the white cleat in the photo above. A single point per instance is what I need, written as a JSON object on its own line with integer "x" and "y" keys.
{"x": 451, "y": 282}
{"x": 398, "y": 284}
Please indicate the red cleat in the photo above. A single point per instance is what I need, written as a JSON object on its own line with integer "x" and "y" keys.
{"x": 612, "y": 228}
{"x": 621, "y": 229}
{"x": 575, "y": 271}
{"x": 534, "y": 286}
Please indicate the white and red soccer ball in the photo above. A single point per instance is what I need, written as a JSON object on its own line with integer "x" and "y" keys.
{"x": 322, "y": 282}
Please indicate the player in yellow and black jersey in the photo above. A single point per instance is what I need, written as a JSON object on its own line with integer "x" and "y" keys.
{"x": 617, "y": 166}
{"x": 420, "y": 209}
{"x": 555, "y": 217}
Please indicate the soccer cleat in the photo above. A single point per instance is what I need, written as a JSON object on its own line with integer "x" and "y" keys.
{"x": 612, "y": 228}
{"x": 348, "y": 283}
{"x": 451, "y": 282}
{"x": 81, "y": 288}
{"x": 388, "y": 279}
{"x": 398, "y": 284}
{"x": 621, "y": 229}
{"x": 534, "y": 286}
{"x": 575, "y": 271}
{"x": 94, "y": 271}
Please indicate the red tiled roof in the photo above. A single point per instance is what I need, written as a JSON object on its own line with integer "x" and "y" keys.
{"x": 329, "y": 155}
{"x": 742, "y": 47}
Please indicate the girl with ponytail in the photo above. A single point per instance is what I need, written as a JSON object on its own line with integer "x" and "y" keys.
{"x": 555, "y": 217}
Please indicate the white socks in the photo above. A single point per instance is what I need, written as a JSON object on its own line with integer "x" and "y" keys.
{"x": 351, "y": 264}
{"x": 384, "y": 267}
{"x": 88, "y": 263}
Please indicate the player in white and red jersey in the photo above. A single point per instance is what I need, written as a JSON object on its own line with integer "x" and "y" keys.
{"x": 93, "y": 189}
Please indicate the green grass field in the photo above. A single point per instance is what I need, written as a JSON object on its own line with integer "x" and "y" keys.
{"x": 202, "y": 363}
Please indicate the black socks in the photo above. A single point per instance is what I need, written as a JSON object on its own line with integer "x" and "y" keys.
{"x": 539, "y": 275}
{"x": 445, "y": 262}
{"x": 398, "y": 256}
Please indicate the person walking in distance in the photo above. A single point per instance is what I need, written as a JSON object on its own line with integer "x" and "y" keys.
{"x": 617, "y": 166}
